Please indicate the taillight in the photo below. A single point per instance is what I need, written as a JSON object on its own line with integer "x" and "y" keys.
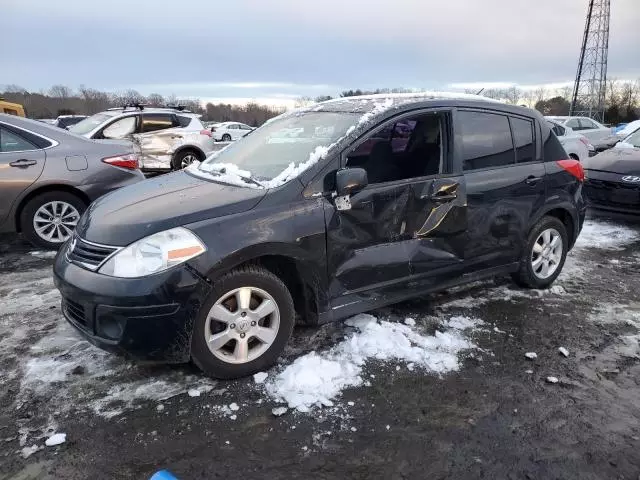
{"x": 205, "y": 132}
{"x": 129, "y": 161}
{"x": 574, "y": 167}
{"x": 586, "y": 143}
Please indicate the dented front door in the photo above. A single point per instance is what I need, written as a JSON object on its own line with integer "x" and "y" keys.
{"x": 395, "y": 232}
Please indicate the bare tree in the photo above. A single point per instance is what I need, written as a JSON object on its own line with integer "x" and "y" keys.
{"x": 540, "y": 94}
{"x": 155, "y": 99}
{"x": 303, "y": 102}
{"x": 513, "y": 95}
{"x": 566, "y": 92}
{"x": 60, "y": 91}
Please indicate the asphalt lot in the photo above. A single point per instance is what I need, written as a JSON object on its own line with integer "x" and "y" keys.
{"x": 492, "y": 413}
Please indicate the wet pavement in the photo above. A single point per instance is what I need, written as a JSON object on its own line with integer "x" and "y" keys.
{"x": 496, "y": 415}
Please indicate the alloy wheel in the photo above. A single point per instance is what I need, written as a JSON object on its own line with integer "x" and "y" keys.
{"x": 188, "y": 160}
{"x": 547, "y": 253}
{"x": 242, "y": 325}
{"x": 55, "y": 221}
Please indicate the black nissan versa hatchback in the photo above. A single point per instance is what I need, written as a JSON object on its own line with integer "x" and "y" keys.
{"x": 320, "y": 214}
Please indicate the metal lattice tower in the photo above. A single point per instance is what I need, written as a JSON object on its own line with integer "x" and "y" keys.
{"x": 591, "y": 78}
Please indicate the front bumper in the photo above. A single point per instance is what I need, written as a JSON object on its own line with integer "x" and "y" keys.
{"x": 604, "y": 191}
{"x": 149, "y": 318}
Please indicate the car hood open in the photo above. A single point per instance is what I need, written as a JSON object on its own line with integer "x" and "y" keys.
{"x": 160, "y": 203}
{"x": 625, "y": 161}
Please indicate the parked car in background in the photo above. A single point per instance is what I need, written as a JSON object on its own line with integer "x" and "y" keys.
{"x": 628, "y": 129}
{"x": 230, "y": 131}
{"x": 601, "y": 137}
{"x": 613, "y": 179}
{"x": 48, "y": 177}
{"x": 169, "y": 138}
{"x": 577, "y": 146}
{"x": 314, "y": 228}
{"x": 66, "y": 121}
{"x": 10, "y": 108}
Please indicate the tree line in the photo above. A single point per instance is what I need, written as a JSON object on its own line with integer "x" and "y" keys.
{"x": 62, "y": 100}
{"x": 622, "y": 101}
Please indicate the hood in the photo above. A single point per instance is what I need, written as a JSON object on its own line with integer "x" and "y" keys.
{"x": 625, "y": 161}
{"x": 160, "y": 203}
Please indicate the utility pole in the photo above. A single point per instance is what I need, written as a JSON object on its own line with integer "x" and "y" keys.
{"x": 591, "y": 78}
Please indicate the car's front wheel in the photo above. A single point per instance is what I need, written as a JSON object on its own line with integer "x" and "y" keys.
{"x": 544, "y": 254}
{"x": 48, "y": 219}
{"x": 244, "y": 324}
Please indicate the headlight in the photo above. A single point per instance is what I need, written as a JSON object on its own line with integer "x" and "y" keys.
{"x": 154, "y": 254}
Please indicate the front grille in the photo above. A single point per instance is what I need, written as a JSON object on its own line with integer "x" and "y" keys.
{"x": 89, "y": 255}
{"x": 74, "y": 311}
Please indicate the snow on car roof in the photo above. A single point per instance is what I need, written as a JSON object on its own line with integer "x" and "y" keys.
{"x": 366, "y": 103}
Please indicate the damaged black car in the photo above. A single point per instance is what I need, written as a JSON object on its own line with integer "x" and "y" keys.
{"x": 321, "y": 213}
{"x": 612, "y": 186}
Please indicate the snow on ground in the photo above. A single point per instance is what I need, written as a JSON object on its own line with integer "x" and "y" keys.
{"x": 317, "y": 378}
{"x": 606, "y": 235}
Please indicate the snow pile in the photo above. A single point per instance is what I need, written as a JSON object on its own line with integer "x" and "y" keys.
{"x": 39, "y": 254}
{"x": 56, "y": 439}
{"x": 317, "y": 378}
{"x": 462, "y": 323}
{"x": 606, "y": 236}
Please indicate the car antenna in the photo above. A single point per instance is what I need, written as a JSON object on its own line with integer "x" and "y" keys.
{"x": 480, "y": 91}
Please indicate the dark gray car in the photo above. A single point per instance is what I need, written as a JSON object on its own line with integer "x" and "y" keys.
{"x": 49, "y": 176}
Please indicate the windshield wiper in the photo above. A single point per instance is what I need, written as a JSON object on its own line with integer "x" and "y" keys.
{"x": 244, "y": 178}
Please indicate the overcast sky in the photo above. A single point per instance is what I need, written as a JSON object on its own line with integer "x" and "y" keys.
{"x": 282, "y": 49}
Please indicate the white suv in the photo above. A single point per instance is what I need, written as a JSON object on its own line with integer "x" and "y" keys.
{"x": 169, "y": 138}
{"x": 229, "y": 131}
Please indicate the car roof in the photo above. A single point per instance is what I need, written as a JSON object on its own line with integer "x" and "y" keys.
{"x": 36, "y": 126}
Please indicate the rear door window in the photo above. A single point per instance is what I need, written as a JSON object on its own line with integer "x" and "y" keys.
{"x": 486, "y": 140}
{"x": 10, "y": 142}
{"x": 152, "y": 122}
{"x": 523, "y": 139}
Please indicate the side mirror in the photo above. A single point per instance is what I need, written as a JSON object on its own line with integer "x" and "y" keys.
{"x": 350, "y": 181}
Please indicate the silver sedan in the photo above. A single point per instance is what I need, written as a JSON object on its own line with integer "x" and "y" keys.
{"x": 48, "y": 177}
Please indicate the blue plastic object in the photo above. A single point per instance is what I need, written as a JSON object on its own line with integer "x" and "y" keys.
{"x": 163, "y": 475}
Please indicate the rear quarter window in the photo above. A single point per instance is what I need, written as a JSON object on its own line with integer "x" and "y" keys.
{"x": 523, "y": 139}
{"x": 184, "y": 121}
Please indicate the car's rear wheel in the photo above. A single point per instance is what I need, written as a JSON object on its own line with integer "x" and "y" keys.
{"x": 48, "y": 220}
{"x": 244, "y": 324}
{"x": 544, "y": 254}
{"x": 185, "y": 158}
{"x": 226, "y": 137}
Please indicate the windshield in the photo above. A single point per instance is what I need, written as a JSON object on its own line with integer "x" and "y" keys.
{"x": 281, "y": 149}
{"x": 89, "y": 123}
{"x": 633, "y": 139}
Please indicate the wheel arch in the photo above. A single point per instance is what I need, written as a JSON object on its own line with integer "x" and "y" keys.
{"x": 46, "y": 189}
{"x": 299, "y": 274}
{"x": 568, "y": 219}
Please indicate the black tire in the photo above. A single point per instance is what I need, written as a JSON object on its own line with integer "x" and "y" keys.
{"x": 248, "y": 276}
{"x": 32, "y": 206}
{"x": 525, "y": 276}
{"x": 176, "y": 163}
{"x": 226, "y": 137}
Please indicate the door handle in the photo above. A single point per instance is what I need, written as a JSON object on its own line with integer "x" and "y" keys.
{"x": 23, "y": 163}
{"x": 443, "y": 197}
{"x": 531, "y": 180}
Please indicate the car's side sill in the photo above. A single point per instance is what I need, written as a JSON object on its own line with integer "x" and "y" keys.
{"x": 353, "y": 304}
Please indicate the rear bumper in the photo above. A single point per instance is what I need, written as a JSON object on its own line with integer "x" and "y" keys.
{"x": 149, "y": 319}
